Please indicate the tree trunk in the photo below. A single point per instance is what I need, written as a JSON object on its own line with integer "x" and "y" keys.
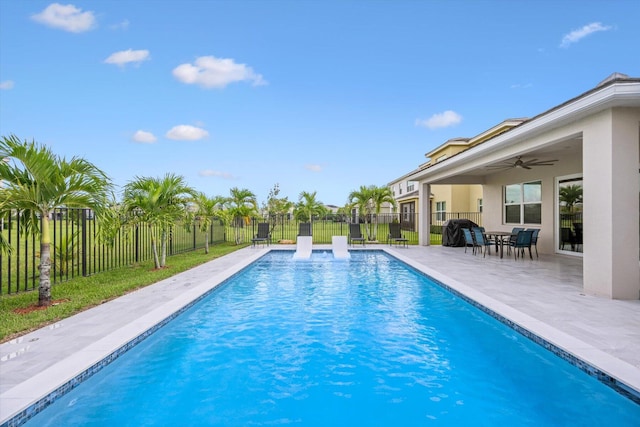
{"x": 206, "y": 245}
{"x": 163, "y": 249}
{"x": 44, "y": 291}
{"x": 154, "y": 248}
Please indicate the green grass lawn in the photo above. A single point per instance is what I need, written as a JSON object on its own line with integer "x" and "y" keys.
{"x": 81, "y": 293}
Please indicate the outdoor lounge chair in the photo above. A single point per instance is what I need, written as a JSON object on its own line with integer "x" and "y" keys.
{"x": 304, "y": 229}
{"x": 355, "y": 234}
{"x": 263, "y": 236}
{"x": 396, "y": 236}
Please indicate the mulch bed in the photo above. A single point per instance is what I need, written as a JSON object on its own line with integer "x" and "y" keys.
{"x": 36, "y": 307}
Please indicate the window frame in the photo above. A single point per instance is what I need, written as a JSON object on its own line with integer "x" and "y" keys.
{"x": 441, "y": 211}
{"x": 521, "y": 203}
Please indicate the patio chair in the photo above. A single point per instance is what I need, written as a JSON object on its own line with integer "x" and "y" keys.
{"x": 263, "y": 236}
{"x": 468, "y": 240}
{"x": 395, "y": 235}
{"x": 534, "y": 238}
{"x": 481, "y": 241}
{"x": 577, "y": 227}
{"x": 304, "y": 229}
{"x": 355, "y": 234}
{"x": 523, "y": 240}
{"x": 566, "y": 236}
{"x": 512, "y": 239}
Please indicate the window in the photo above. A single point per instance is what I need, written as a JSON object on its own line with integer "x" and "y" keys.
{"x": 523, "y": 203}
{"x": 441, "y": 211}
{"x": 480, "y": 205}
{"x": 409, "y": 187}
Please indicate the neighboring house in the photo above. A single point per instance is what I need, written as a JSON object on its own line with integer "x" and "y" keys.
{"x": 332, "y": 208}
{"x": 590, "y": 143}
{"x": 445, "y": 198}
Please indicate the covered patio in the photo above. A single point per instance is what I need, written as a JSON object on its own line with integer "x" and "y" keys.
{"x": 591, "y": 142}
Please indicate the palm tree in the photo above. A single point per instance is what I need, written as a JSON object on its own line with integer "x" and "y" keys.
{"x": 308, "y": 206}
{"x": 369, "y": 201}
{"x": 159, "y": 203}
{"x": 363, "y": 200}
{"x": 207, "y": 209}
{"x": 380, "y": 196}
{"x": 242, "y": 205}
{"x": 35, "y": 182}
{"x": 571, "y": 195}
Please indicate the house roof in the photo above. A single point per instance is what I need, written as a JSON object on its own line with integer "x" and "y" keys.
{"x": 410, "y": 195}
{"x": 617, "y": 90}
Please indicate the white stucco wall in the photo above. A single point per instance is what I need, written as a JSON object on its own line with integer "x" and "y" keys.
{"x": 610, "y": 162}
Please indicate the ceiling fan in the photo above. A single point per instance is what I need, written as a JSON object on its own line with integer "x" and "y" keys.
{"x": 521, "y": 164}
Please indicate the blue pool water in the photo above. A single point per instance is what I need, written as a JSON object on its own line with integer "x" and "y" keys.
{"x": 366, "y": 342}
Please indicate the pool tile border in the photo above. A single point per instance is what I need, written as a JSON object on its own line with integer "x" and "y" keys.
{"x": 591, "y": 370}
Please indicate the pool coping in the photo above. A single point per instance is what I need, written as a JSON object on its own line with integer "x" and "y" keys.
{"x": 23, "y": 401}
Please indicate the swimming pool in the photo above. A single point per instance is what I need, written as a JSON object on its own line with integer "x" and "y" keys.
{"x": 365, "y": 342}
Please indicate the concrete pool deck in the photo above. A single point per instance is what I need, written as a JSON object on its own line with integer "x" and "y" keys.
{"x": 541, "y": 295}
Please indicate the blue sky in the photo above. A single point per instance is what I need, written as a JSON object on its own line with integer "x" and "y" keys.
{"x": 319, "y": 96}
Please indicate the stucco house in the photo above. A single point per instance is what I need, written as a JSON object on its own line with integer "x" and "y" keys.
{"x": 590, "y": 145}
{"x": 445, "y": 199}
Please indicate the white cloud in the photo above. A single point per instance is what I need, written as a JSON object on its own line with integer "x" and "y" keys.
{"x": 66, "y": 17}
{"x": 212, "y": 72}
{"x": 313, "y": 168}
{"x": 124, "y": 25}
{"x": 144, "y": 137}
{"x": 124, "y": 57}
{"x": 186, "y": 133}
{"x": 576, "y": 35}
{"x": 7, "y": 84}
{"x": 440, "y": 120}
{"x": 219, "y": 174}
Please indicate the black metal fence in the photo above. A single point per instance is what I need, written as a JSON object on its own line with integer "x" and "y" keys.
{"x": 285, "y": 229}
{"x": 76, "y": 249}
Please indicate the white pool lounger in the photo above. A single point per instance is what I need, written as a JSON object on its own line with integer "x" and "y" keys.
{"x": 303, "y": 247}
{"x": 339, "y": 246}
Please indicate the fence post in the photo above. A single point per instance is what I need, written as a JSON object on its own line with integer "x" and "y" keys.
{"x": 137, "y": 244}
{"x": 84, "y": 242}
{"x": 194, "y": 236}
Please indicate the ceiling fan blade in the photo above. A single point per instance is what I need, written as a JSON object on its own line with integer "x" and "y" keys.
{"x": 528, "y": 162}
{"x": 525, "y": 167}
{"x": 543, "y": 163}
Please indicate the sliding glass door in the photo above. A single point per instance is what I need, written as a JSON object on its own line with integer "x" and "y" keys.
{"x": 569, "y": 214}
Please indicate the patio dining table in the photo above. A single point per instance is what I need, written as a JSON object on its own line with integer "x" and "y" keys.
{"x": 500, "y": 237}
